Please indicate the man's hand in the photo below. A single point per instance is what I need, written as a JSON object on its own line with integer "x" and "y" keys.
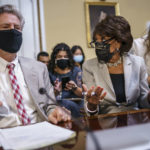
{"x": 59, "y": 114}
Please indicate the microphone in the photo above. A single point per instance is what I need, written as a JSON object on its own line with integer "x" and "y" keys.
{"x": 43, "y": 91}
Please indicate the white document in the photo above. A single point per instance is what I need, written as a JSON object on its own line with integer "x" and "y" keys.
{"x": 4, "y": 109}
{"x": 33, "y": 136}
{"x": 136, "y": 137}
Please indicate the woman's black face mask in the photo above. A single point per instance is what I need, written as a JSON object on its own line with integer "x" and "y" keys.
{"x": 102, "y": 50}
{"x": 62, "y": 63}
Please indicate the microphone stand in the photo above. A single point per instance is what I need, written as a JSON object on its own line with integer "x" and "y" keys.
{"x": 77, "y": 122}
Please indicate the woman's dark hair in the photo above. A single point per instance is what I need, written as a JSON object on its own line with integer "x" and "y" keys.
{"x": 60, "y": 47}
{"x": 74, "y": 49}
{"x": 115, "y": 27}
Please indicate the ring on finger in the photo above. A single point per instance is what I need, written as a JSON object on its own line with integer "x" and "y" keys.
{"x": 93, "y": 93}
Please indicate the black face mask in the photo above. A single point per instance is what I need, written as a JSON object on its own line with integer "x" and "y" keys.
{"x": 10, "y": 40}
{"x": 102, "y": 50}
{"x": 62, "y": 63}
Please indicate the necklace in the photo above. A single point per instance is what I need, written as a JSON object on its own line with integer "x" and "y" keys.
{"x": 119, "y": 61}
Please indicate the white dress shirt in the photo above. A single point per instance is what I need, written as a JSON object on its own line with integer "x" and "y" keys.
{"x": 8, "y": 111}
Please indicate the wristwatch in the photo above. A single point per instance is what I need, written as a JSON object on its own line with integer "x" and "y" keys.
{"x": 74, "y": 87}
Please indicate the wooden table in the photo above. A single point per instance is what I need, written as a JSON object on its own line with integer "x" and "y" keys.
{"x": 102, "y": 122}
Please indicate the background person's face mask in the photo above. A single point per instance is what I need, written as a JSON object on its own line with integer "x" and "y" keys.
{"x": 10, "y": 40}
{"x": 78, "y": 58}
{"x": 62, "y": 63}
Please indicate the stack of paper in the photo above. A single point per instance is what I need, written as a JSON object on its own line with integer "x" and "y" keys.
{"x": 33, "y": 136}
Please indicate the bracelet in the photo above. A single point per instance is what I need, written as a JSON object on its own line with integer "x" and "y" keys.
{"x": 91, "y": 111}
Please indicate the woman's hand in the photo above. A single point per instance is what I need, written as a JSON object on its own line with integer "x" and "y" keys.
{"x": 57, "y": 87}
{"x": 93, "y": 96}
{"x": 71, "y": 85}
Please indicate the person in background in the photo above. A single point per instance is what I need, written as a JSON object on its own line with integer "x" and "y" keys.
{"x": 78, "y": 55}
{"x": 21, "y": 78}
{"x": 116, "y": 79}
{"x": 43, "y": 57}
{"x": 66, "y": 78}
{"x": 141, "y": 47}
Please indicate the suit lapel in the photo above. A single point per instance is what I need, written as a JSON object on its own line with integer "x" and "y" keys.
{"x": 29, "y": 74}
{"x": 127, "y": 73}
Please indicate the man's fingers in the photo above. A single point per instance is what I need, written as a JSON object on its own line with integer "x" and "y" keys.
{"x": 55, "y": 116}
{"x": 66, "y": 114}
{"x": 59, "y": 114}
{"x": 52, "y": 118}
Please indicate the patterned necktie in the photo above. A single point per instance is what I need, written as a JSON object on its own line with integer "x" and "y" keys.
{"x": 17, "y": 95}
